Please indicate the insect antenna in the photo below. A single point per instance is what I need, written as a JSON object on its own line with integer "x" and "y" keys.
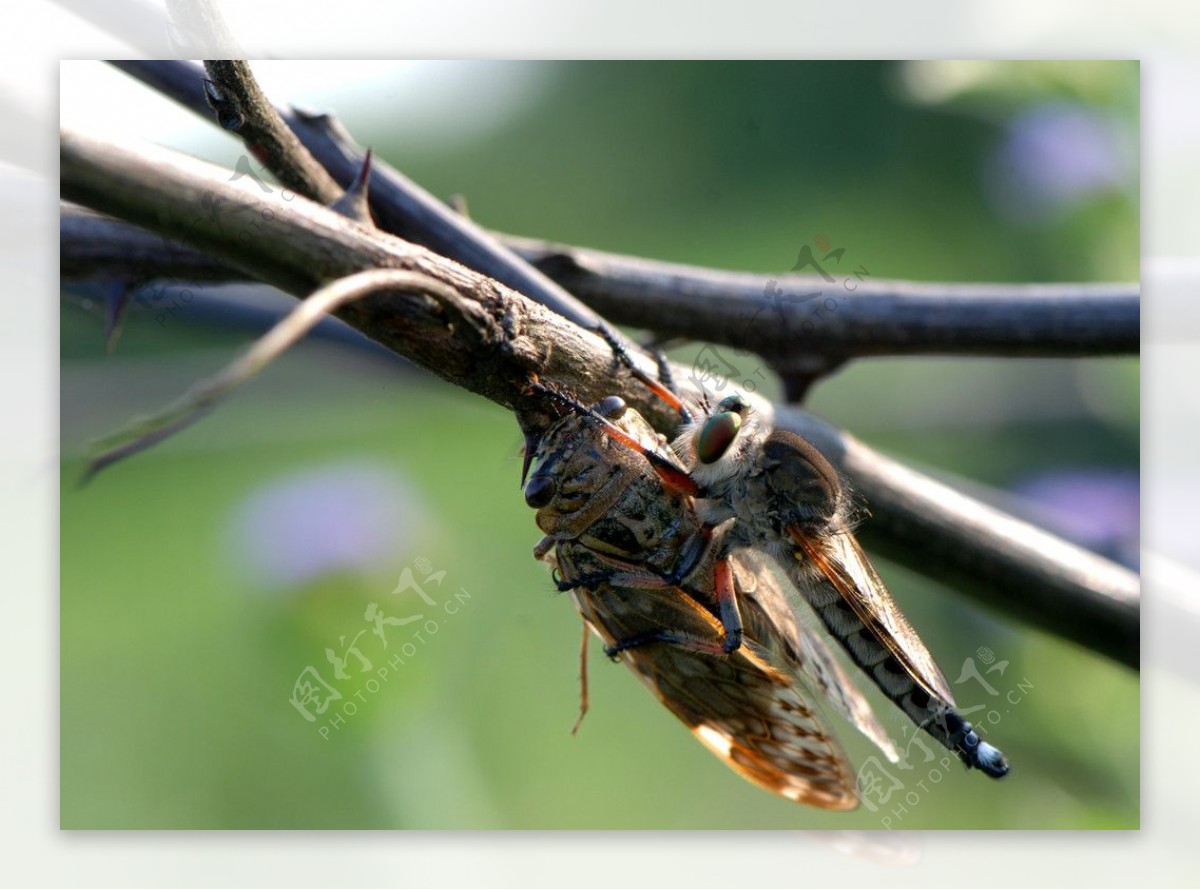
{"x": 560, "y": 398}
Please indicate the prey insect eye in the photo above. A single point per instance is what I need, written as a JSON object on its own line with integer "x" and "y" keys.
{"x": 539, "y": 491}
{"x": 612, "y": 407}
{"x": 716, "y": 435}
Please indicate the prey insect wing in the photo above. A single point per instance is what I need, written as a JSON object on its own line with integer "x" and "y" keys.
{"x": 805, "y": 651}
{"x": 746, "y": 707}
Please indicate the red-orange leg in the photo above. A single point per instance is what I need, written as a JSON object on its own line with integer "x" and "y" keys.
{"x": 727, "y": 604}
{"x": 655, "y": 386}
{"x": 675, "y": 478}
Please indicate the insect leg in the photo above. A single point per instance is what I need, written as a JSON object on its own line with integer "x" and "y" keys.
{"x": 728, "y": 612}
{"x": 727, "y": 604}
{"x": 583, "y": 679}
{"x": 665, "y": 374}
{"x": 631, "y": 576}
{"x": 664, "y": 389}
{"x": 674, "y": 638}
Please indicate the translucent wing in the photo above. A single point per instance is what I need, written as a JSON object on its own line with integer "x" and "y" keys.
{"x": 764, "y": 601}
{"x": 840, "y": 560}
{"x": 747, "y": 707}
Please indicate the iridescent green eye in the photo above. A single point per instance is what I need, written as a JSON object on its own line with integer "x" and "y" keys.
{"x": 717, "y": 435}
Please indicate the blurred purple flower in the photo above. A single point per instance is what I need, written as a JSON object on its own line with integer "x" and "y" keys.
{"x": 301, "y": 526}
{"x": 1099, "y": 509}
{"x": 1053, "y": 156}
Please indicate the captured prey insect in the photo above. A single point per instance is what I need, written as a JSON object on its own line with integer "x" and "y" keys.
{"x": 653, "y": 582}
{"x": 779, "y": 496}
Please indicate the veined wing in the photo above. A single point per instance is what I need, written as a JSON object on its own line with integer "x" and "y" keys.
{"x": 840, "y": 559}
{"x": 743, "y": 707}
{"x": 765, "y": 602}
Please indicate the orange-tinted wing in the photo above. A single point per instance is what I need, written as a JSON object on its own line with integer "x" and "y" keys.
{"x": 764, "y": 600}
{"x": 841, "y": 560}
{"x": 743, "y": 707}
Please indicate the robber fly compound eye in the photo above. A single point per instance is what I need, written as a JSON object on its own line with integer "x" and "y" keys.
{"x": 612, "y": 407}
{"x": 716, "y": 435}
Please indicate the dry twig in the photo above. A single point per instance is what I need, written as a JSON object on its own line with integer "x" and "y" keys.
{"x": 497, "y": 338}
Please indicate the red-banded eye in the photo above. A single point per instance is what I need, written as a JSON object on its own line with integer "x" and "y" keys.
{"x": 716, "y": 435}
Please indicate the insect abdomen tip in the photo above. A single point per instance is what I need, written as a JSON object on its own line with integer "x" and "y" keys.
{"x": 990, "y": 760}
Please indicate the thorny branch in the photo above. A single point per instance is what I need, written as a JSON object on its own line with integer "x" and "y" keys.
{"x": 205, "y": 396}
{"x": 240, "y": 106}
{"x": 852, "y": 317}
{"x": 297, "y": 246}
{"x": 806, "y": 326}
{"x": 882, "y": 318}
{"x": 495, "y": 338}
{"x": 799, "y": 339}
{"x": 398, "y": 205}
{"x": 94, "y": 246}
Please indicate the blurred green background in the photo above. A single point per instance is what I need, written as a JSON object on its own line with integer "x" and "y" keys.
{"x": 200, "y": 579}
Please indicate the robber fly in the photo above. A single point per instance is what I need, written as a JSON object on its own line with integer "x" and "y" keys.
{"x": 787, "y": 500}
{"x": 781, "y": 497}
{"x": 655, "y": 583}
